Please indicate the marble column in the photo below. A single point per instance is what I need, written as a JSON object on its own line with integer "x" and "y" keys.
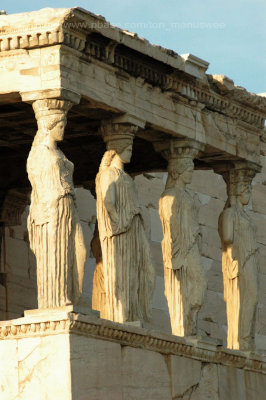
{"x": 127, "y": 270}
{"x": 183, "y": 271}
{"x": 239, "y": 257}
{"x": 55, "y": 232}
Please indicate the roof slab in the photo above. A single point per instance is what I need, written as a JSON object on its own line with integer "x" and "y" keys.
{"x": 108, "y": 72}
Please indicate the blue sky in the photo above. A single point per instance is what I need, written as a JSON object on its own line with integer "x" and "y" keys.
{"x": 229, "y": 34}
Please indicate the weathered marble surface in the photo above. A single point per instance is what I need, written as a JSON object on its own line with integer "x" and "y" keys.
{"x": 145, "y": 375}
{"x": 96, "y": 367}
{"x": 8, "y": 370}
{"x": 211, "y": 190}
{"x": 55, "y": 234}
{"x": 239, "y": 261}
{"x": 183, "y": 384}
{"x": 127, "y": 267}
{"x": 68, "y": 356}
{"x": 43, "y": 55}
{"x": 98, "y": 288}
{"x": 36, "y": 367}
{"x": 185, "y": 282}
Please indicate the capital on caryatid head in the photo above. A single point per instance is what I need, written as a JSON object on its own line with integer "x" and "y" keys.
{"x": 238, "y": 176}
{"x": 176, "y": 148}
{"x": 179, "y": 153}
{"x": 120, "y": 129}
{"x": 114, "y": 134}
{"x": 46, "y": 109}
{"x": 50, "y": 105}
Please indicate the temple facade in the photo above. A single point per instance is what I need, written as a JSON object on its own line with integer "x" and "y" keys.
{"x": 133, "y": 218}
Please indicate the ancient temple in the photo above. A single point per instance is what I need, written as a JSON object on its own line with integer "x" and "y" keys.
{"x": 198, "y": 330}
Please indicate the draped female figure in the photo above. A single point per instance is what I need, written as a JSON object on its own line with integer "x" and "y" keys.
{"x": 239, "y": 263}
{"x": 184, "y": 278}
{"x": 128, "y": 270}
{"x": 55, "y": 233}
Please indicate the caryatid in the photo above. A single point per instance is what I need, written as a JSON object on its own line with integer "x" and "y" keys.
{"x": 183, "y": 271}
{"x": 55, "y": 232}
{"x": 239, "y": 259}
{"x": 128, "y": 271}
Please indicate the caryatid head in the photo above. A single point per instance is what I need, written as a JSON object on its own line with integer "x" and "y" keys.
{"x": 119, "y": 142}
{"x": 239, "y": 185}
{"x": 51, "y": 115}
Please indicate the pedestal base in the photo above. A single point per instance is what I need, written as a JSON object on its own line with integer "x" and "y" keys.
{"x": 63, "y": 355}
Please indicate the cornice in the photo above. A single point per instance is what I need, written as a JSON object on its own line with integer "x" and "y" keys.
{"x": 172, "y": 86}
{"x": 92, "y": 35}
{"x": 123, "y": 334}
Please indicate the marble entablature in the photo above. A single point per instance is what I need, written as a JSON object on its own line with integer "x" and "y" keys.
{"x": 90, "y": 84}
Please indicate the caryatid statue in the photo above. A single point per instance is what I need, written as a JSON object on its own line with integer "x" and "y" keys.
{"x": 128, "y": 271}
{"x": 183, "y": 271}
{"x": 55, "y": 233}
{"x": 239, "y": 259}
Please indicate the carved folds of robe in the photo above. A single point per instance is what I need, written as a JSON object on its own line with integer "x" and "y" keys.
{"x": 55, "y": 233}
{"x": 184, "y": 278}
{"x": 240, "y": 265}
{"x": 98, "y": 291}
{"x": 127, "y": 266}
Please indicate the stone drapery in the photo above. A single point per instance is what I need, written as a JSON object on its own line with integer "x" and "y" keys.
{"x": 239, "y": 260}
{"x": 128, "y": 270}
{"x": 55, "y": 233}
{"x": 184, "y": 278}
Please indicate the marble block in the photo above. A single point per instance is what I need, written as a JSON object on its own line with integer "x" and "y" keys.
{"x": 72, "y": 356}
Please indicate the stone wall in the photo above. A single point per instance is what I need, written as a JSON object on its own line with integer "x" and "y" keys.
{"x": 210, "y": 192}
{"x": 67, "y": 356}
